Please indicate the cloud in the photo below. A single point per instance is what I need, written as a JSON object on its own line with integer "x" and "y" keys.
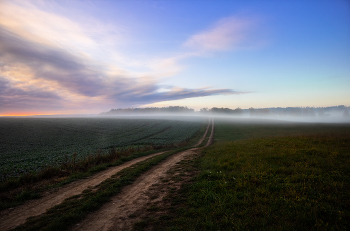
{"x": 227, "y": 34}
{"x": 35, "y": 76}
{"x": 152, "y": 94}
{"x": 47, "y": 63}
{"x": 13, "y": 98}
{"x": 39, "y": 73}
{"x": 31, "y": 23}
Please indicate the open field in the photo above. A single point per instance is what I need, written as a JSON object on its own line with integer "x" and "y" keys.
{"x": 31, "y": 144}
{"x": 258, "y": 175}
{"x": 266, "y": 176}
{"x": 228, "y": 129}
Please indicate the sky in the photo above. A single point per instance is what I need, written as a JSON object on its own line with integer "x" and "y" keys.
{"x": 87, "y": 57}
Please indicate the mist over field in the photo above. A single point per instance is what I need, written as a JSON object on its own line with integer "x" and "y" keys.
{"x": 337, "y": 114}
{"x": 332, "y": 116}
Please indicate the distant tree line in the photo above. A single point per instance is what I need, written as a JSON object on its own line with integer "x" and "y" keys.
{"x": 288, "y": 111}
{"x": 300, "y": 111}
{"x": 227, "y": 111}
{"x": 254, "y": 112}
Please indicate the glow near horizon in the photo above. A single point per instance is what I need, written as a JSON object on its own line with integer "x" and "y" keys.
{"x": 66, "y": 57}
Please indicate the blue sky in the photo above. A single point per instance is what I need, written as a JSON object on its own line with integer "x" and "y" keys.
{"x": 67, "y": 57}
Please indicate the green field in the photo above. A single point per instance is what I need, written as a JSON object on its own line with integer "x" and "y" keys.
{"x": 31, "y": 144}
{"x": 268, "y": 175}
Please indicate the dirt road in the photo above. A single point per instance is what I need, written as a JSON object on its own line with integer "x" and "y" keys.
{"x": 211, "y": 137}
{"x": 116, "y": 214}
{"x": 131, "y": 197}
{"x": 205, "y": 135}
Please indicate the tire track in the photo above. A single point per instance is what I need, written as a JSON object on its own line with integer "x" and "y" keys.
{"x": 205, "y": 135}
{"x": 211, "y": 137}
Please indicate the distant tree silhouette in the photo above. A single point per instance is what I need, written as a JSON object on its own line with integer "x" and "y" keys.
{"x": 321, "y": 112}
{"x": 252, "y": 111}
{"x": 238, "y": 111}
{"x": 204, "y": 110}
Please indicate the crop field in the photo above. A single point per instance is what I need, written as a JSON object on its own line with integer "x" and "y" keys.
{"x": 31, "y": 144}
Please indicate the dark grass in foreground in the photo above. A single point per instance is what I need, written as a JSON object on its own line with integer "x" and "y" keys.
{"x": 16, "y": 191}
{"x": 76, "y": 208}
{"x": 299, "y": 182}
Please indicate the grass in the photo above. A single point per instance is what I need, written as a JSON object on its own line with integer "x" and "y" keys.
{"x": 239, "y": 129}
{"x": 289, "y": 177}
{"x": 289, "y": 183}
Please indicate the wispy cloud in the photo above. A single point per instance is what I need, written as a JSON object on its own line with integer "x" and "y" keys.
{"x": 227, "y": 34}
{"x": 152, "y": 95}
{"x": 48, "y": 62}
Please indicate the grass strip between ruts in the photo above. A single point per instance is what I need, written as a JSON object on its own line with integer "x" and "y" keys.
{"x": 205, "y": 141}
{"x": 76, "y": 208}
